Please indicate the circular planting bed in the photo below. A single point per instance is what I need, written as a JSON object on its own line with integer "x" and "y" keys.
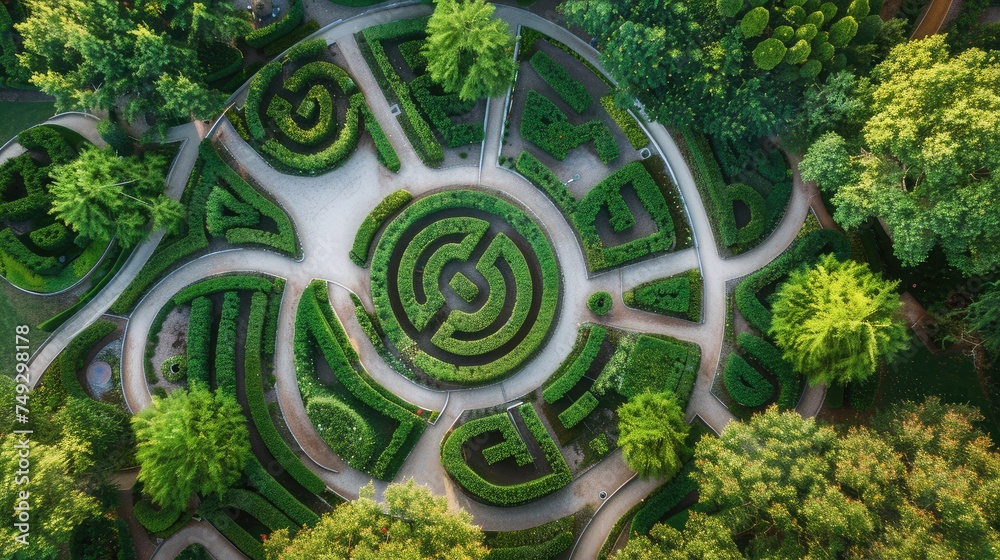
{"x": 466, "y": 286}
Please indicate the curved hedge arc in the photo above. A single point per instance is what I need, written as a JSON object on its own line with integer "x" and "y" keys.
{"x": 457, "y": 333}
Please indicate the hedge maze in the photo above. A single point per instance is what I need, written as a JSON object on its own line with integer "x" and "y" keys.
{"x": 432, "y": 119}
{"x": 678, "y": 296}
{"x": 221, "y": 308}
{"x": 309, "y": 122}
{"x": 369, "y": 427}
{"x": 547, "y": 472}
{"x": 42, "y": 254}
{"x": 465, "y": 286}
{"x": 755, "y": 374}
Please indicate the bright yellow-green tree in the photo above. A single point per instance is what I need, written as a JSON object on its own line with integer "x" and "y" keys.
{"x": 653, "y": 431}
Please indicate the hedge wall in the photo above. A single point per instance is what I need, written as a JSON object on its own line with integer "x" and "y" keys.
{"x": 626, "y": 122}
{"x": 231, "y": 530}
{"x": 384, "y": 151}
{"x": 441, "y": 108}
{"x": 228, "y": 283}
{"x": 509, "y": 495}
{"x": 225, "y": 346}
{"x": 579, "y": 410}
{"x": 268, "y": 487}
{"x": 153, "y": 519}
{"x": 258, "y": 508}
{"x": 677, "y": 296}
{"x": 543, "y": 542}
{"x": 546, "y": 126}
{"x": 543, "y": 178}
{"x": 744, "y": 383}
{"x": 568, "y": 88}
{"x": 574, "y": 373}
{"x": 665, "y": 499}
{"x": 388, "y": 207}
{"x": 262, "y": 36}
{"x": 199, "y": 342}
{"x": 768, "y": 356}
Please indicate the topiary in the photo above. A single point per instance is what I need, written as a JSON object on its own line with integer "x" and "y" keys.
{"x": 600, "y": 303}
{"x": 795, "y": 15}
{"x": 729, "y": 8}
{"x": 841, "y": 32}
{"x": 174, "y": 368}
{"x": 783, "y": 33}
{"x": 798, "y": 53}
{"x": 816, "y": 18}
{"x": 839, "y": 62}
{"x": 858, "y": 9}
{"x": 807, "y": 32}
{"x": 810, "y": 70}
{"x": 868, "y": 29}
{"x": 823, "y": 51}
{"x": 769, "y": 53}
{"x": 829, "y": 10}
{"x": 754, "y": 22}
{"x": 53, "y": 237}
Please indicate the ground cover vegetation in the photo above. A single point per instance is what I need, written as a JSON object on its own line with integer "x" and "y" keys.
{"x": 219, "y": 204}
{"x": 544, "y": 541}
{"x": 520, "y": 296}
{"x": 311, "y": 121}
{"x": 833, "y": 504}
{"x": 369, "y": 427}
{"x": 435, "y": 111}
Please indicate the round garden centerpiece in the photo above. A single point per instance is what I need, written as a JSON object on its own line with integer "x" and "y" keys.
{"x": 466, "y": 286}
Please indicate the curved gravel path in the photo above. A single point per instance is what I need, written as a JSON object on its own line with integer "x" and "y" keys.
{"x": 348, "y": 193}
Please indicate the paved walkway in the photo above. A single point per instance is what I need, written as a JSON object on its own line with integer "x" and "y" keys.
{"x": 932, "y": 19}
{"x": 327, "y": 211}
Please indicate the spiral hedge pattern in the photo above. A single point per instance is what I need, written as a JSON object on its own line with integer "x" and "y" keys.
{"x": 465, "y": 285}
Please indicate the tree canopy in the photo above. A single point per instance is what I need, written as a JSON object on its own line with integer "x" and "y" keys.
{"x": 921, "y": 484}
{"x": 101, "y": 195}
{"x": 141, "y": 51}
{"x": 653, "y": 431}
{"x": 191, "y": 441}
{"x": 412, "y": 524}
{"x": 835, "y": 321}
{"x": 928, "y": 157}
{"x": 469, "y": 52}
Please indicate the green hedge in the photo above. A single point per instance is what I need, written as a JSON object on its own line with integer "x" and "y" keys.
{"x": 413, "y": 123}
{"x": 153, "y": 519}
{"x": 658, "y": 364}
{"x": 384, "y": 151}
{"x": 565, "y": 85}
{"x": 258, "y": 508}
{"x": 545, "y": 550}
{"x": 328, "y": 158}
{"x": 269, "y": 33}
{"x": 607, "y": 194}
{"x": 543, "y": 178}
{"x": 228, "y": 283}
{"x": 768, "y": 356}
{"x": 459, "y": 199}
{"x": 579, "y": 410}
{"x": 543, "y": 542}
{"x": 281, "y": 111}
{"x": 199, "y": 342}
{"x": 665, "y": 499}
{"x": 221, "y": 61}
{"x": 600, "y": 303}
{"x": 441, "y": 108}
{"x": 231, "y": 530}
{"x": 258, "y": 405}
{"x": 251, "y": 106}
{"x": 225, "y": 211}
{"x": 301, "y": 32}
{"x": 74, "y": 357}
{"x": 546, "y": 126}
{"x": 268, "y": 487}
{"x": 574, "y": 373}
{"x": 343, "y": 429}
{"x": 385, "y": 209}
{"x": 23, "y": 171}
{"x": 180, "y": 361}
{"x": 509, "y": 495}
{"x": 52, "y": 237}
{"x": 744, "y": 383}
{"x": 225, "y": 345}
{"x": 512, "y": 444}
{"x": 626, "y": 122}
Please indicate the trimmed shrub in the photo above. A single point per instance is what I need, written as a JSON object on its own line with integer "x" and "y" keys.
{"x": 543, "y": 178}
{"x": 626, "y": 122}
{"x": 575, "y": 372}
{"x": 46, "y": 138}
{"x": 657, "y": 364}
{"x": 600, "y": 303}
{"x": 744, "y": 383}
{"x": 174, "y": 368}
{"x": 783, "y": 33}
{"x": 23, "y": 171}
{"x": 858, "y": 9}
{"x": 768, "y": 356}
{"x": 231, "y": 530}
{"x": 729, "y": 8}
{"x": 678, "y": 296}
{"x": 271, "y": 489}
{"x": 842, "y": 31}
{"x": 768, "y": 53}
{"x": 579, "y": 410}
{"x": 816, "y": 19}
{"x": 546, "y": 126}
{"x": 810, "y": 70}
{"x": 257, "y": 507}
{"x": 14, "y": 249}
{"x": 868, "y": 29}
{"x": 199, "y": 342}
{"x": 388, "y": 207}
{"x": 568, "y": 88}
{"x": 53, "y": 237}
{"x": 225, "y": 211}
{"x": 505, "y": 495}
{"x": 232, "y": 282}
{"x": 798, "y": 53}
{"x": 754, "y": 22}
{"x": 664, "y": 500}
{"x": 251, "y": 106}
{"x": 440, "y": 108}
{"x": 347, "y": 434}
{"x": 328, "y": 158}
{"x": 225, "y": 346}
{"x": 384, "y": 151}
{"x": 270, "y": 33}
{"x": 154, "y": 519}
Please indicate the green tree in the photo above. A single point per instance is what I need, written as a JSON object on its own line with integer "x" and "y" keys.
{"x": 191, "y": 441}
{"x": 921, "y": 484}
{"x": 469, "y": 52}
{"x": 653, "y": 431}
{"x": 57, "y": 504}
{"x": 101, "y": 195}
{"x": 106, "y": 51}
{"x": 98, "y": 434}
{"x": 929, "y": 156}
{"x": 834, "y": 322}
{"x": 413, "y": 524}
{"x": 833, "y": 106}
{"x": 983, "y": 316}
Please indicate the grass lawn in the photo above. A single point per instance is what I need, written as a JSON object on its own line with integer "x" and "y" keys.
{"x": 19, "y": 308}
{"x": 16, "y": 116}
{"x": 948, "y": 376}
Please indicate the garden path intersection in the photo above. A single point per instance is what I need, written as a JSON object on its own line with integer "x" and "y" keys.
{"x": 327, "y": 211}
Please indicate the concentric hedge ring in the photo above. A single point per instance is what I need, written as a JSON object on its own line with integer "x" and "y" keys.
{"x": 466, "y": 286}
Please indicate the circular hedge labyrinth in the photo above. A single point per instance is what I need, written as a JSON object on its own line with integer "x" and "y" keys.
{"x": 465, "y": 285}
